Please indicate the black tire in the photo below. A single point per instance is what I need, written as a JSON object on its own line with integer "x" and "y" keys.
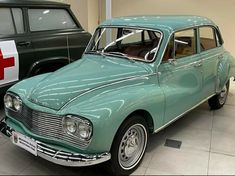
{"x": 218, "y": 101}
{"x": 133, "y": 128}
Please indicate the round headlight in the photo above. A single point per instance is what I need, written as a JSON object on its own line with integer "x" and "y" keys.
{"x": 17, "y": 104}
{"x": 70, "y": 125}
{"x": 84, "y": 131}
{"x": 8, "y": 101}
{"x": 77, "y": 127}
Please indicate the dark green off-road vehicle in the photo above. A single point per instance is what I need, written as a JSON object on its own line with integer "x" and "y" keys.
{"x": 37, "y": 37}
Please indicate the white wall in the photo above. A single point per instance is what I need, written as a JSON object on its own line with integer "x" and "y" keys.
{"x": 87, "y": 12}
{"x": 222, "y": 12}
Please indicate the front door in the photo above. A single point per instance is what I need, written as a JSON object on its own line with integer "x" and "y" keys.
{"x": 181, "y": 77}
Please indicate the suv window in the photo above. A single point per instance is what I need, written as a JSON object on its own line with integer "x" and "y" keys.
{"x": 18, "y": 18}
{"x": 50, "y": 19}
{"x": 207, "y": 38}
{"x": 7, "y": 25}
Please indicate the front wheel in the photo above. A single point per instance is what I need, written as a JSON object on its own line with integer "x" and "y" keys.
{"x": 218, "y": 101}
{"x": 129, "y": 146}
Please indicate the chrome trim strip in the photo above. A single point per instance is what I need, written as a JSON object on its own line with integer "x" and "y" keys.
{"x": 83, "y": 162}
{"x": 209, "y": 57}
{"x": 47, "y": 125}
{"x": 181, "y": 115}
{"x": 109, "y": 84}
{"x": 61, "y": 157}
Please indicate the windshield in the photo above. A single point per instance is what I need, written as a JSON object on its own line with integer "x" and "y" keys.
{"x": 131, "y": 43}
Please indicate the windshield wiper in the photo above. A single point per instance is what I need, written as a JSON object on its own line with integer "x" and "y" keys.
{"x": 115, "y": 53}
{"x": 111, "y": 53}
{"x": 95, "y": 52}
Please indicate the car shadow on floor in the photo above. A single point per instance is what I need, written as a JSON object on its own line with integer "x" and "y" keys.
{"x": 190, "y": 119}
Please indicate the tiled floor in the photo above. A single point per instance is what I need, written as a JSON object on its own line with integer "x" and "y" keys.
{"x": 207, "y": 148}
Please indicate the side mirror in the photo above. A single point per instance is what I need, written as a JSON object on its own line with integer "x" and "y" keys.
{"x": 172, "y": 61}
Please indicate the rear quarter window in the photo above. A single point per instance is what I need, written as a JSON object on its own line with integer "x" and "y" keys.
{"x": 7, "y": 25}
{"x": 50, "y": 19}
{"x": 207, "y": 38}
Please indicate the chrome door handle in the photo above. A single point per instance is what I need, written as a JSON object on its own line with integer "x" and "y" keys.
{"x": 220, "y": 56}
{"x": 198, "y": 64}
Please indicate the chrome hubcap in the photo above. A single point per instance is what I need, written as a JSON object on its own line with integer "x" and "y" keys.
{"x": 223, "y": 95}
{"x": 132, "y": 146}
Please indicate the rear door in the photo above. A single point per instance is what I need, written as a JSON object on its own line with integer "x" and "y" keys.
{"x": 55, "y": 32}
{"x": 15, "y": 46}
{"x": 48, "y": 31}
{"x": 211, "y": 53}
{"x": 181, "y": 74}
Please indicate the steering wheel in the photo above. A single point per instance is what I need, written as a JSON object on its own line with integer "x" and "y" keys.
{"x": 149, "y": 54}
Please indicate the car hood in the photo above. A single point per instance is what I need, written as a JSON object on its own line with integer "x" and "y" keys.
{"x": 83, "y": 76}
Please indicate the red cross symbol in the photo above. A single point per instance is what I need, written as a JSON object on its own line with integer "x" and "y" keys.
{"x": 5, "y": 63}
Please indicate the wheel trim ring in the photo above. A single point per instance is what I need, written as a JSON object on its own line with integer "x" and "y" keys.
{"x": 223, "y": 95}
{"x": 141, "y": 152}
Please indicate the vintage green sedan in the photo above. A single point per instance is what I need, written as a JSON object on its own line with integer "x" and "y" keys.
{"x": 137, "y": 75}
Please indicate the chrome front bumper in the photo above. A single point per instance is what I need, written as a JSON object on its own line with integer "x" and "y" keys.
{"x": 61, "y": 157}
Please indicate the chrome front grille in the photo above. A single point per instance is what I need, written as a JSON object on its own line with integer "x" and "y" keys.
{"x": 45, "y": 125}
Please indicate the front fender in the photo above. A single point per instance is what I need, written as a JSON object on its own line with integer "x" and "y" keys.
{"x": 108, "y": 108}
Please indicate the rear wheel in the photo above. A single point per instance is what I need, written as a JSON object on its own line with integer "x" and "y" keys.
{"x": 129, "y": 146}
{"x": 218, "y": 101}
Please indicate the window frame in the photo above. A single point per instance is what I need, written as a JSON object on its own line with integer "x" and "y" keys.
{"x": 76, "y": 22}
{"x": 23, "y": 18}
{"x": 13, "y": 21}
{"x": 132, "y": 27}
{"x": 198, "y": 50}
{"x": 216, "y": 34}
{"x": 195, "y": 44}
{"x": 172, "y": 36}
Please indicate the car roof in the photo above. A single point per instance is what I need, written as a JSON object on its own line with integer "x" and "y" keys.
{"x": 167, "y": 23}
{"x": 31, "y": 3}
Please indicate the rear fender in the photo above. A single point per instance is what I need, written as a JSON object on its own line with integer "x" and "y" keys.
{"x": 49, "y": 64}
{"x": 232, "y": 67}
{"x": 225, "y": 70}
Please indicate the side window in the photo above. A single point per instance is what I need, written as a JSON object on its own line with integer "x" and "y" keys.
{"x": 185, "y": 43}
{"x": 207, "y": 38}
{"x": 7, "y": 25}
{"x": 50, "y": 19}
{"x": 18, "y": 18}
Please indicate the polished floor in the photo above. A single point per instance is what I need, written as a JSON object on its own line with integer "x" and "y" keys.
{"x": 208, "y": 147}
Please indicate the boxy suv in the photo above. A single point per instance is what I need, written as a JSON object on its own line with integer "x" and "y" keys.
{"x": 37, "y": 37}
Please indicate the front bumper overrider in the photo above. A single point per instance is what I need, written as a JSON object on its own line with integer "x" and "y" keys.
{"x": 58, "y": 156}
